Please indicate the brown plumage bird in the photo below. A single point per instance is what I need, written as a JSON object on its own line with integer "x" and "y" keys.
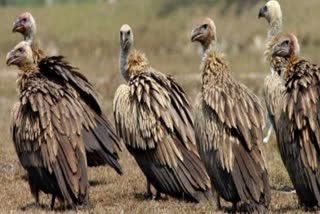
{"x": 299, "y": 123}
{"x": 273, "y": 84}
{"x": 228, "y": 128}
{"x": 101, "y": 142}
{"x": 152, "y": 115}
{"x": 48, "y": 128}
{"x": 26, "y": 25}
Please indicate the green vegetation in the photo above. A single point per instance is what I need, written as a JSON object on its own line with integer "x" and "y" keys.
{"x": 87, "y": 34}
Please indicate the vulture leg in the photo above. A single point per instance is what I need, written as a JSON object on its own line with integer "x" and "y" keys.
{"x": 52, "y": 202}
{"x": 159, "y": 196}
{"x": 148, "y": 193}
{"x": 62, "y": 204}
{"x": 35, "y": 193}
{"x": 234, "y": 207}
{"x": 216, "y": 197}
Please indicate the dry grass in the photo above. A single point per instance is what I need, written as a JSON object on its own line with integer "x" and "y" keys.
{"x": 88, "y": 35}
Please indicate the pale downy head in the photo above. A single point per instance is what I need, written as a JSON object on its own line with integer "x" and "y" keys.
{"x": 26, "y": 25}
{"x": 286, "y": 46}
{"x": 271, "y": 11}
{"x": 126, "y": 37}
{"x": 21, "y": 55}
{"x": 204, "y": 33}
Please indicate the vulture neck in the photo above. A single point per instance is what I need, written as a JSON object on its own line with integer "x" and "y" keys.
{"x": 124, "y": 53}
{"x": 27, "y": 72}
{"x": 205, "y": 48}
{"x": 275, "y": 28}
{"x": 29, "y": 36}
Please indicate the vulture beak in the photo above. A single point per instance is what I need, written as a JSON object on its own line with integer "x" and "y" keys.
{"x": 125, "y": 40}
{"x": 195, "y": 34}
{"x": 17, "y": 27}
{"x": 276, "y": 50}
{"x": 261, "y": 13}
{"x": 125, "y": 43}
{"x": 10, "y": 59}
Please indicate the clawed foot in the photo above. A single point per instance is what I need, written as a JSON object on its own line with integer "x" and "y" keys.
{"x": 314, "y": 209}
{"x": 159, "y": 197}
{"x": 148, "y": 195}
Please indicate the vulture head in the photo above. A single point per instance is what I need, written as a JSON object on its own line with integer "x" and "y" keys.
{"x": 271, "y": 11}
{"x": 126, "y": 37}
{"x": 204, "y": 33}
{"x": 286, "y": 46}
{"x": 21, "y": 56}
{"x": 25, "y": 24}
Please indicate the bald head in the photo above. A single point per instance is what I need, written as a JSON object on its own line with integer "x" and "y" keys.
{"x": 204, "y": 32}
{"x": 26, "y": 25}
{"x": 21, "y": 55}
{"x": 126, "y": 37}
{"x": 271, "y": 11}
{"x": 286, "y": 46}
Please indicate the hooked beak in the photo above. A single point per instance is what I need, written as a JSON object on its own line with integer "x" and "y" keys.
{"x": 261, "y": 13}
{"x": 10, "y": 59}
{"x": 195, "y": 34}
{"x": 276, "y": 50}
{"x": 125, "y": 41}
{"x": 17, "y": 27}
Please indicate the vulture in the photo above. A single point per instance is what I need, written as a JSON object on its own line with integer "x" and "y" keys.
{"x": 26, "y": 25}
{"x": 228, "y": 128}
{"x": 273, "y": 84}
{"x": 153, "y": 117}
{"x": 101, "y": 142}
{"x": 299, "y": 122}
{"x": 49, "y": 126}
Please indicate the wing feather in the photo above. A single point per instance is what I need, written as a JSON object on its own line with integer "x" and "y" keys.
{"x": 162, "y": 127}
{"x": 50, "y": 146}
{"x": 102, "y": 148}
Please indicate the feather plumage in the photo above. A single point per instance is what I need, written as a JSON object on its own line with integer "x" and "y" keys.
{"x": 53, "y": 157}
{"x": 228, "y": 127}
{"x": 57, "y": 126}
{"x": 153, "y": 117}
{"x": 101, "y": 142}
{"x": 299, "y": 130}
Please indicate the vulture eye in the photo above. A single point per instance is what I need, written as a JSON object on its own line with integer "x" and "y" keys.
{"x": 120, "y": 33}
{"x": 286, "y": 42}
{"x": 20, "y": 50}
{"x": 265, "y": 8}
{"x": 24, "y": 19}
{"x": 205, "y": 26}
{"x": 128, "y": 33}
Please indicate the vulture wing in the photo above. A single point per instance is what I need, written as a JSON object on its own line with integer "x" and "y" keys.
{"x": 46, "y": 130}
{"x": 152, "y": 115}
{"x": 228, "y": 127}
{"x": 101, "y": 142}
{"x": 299, "y": 134}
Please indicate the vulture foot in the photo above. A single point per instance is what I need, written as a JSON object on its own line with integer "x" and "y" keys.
{"x": 159, "y": 196}
{"x": 148, "y": 194}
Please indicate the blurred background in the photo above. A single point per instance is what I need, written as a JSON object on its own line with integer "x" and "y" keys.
{"x": 86, "y": 32}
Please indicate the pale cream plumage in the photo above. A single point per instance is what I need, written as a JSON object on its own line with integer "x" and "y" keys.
{"x": 273, "y": 84}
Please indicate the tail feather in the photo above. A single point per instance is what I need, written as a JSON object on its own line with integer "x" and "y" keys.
{"x": 102, "y": 147}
